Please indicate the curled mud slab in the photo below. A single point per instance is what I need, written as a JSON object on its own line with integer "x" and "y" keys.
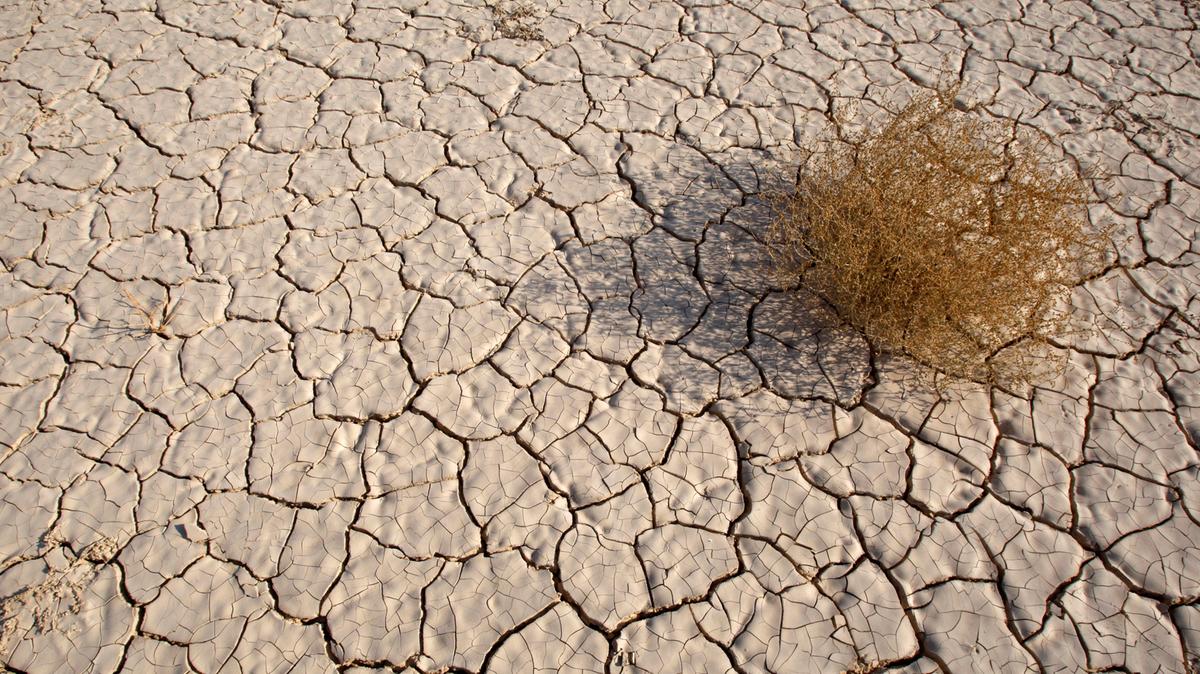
{"x": 437, "y": 337}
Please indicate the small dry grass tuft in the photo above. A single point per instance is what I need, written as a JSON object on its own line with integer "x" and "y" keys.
{"x": 943, "y": 237}
{"x": 154, "y": 320}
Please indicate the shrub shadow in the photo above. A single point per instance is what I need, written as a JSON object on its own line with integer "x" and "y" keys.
{"x": 708, "y": 284}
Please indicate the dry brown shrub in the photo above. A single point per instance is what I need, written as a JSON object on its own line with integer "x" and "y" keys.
{"x": 942, "y": 236}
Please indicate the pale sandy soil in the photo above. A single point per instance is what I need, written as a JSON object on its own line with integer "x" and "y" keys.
{"x": 394, "y": 335}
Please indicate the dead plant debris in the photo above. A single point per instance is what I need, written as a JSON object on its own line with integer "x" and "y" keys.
{"x": 942, "y": 236}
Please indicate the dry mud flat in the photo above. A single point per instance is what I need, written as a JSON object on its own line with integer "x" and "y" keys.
{"x": 429, "y": 336}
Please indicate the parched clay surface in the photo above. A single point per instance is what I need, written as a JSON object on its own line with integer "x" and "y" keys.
{"x": 436, "y": 335}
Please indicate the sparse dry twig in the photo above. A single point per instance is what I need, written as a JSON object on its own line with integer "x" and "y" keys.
{"x": 154, "y": 321}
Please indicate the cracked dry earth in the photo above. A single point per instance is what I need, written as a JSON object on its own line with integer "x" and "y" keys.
{"x": 424, "y": 336}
